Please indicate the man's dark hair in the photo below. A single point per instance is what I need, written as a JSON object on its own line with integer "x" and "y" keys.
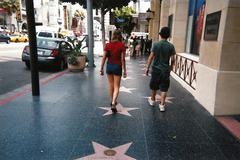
{"x": 165, "y": 32}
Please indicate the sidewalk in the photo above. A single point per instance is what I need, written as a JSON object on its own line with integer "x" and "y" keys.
{"x": 70, "y": 121}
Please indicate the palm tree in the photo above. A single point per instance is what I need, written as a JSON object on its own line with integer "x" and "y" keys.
{"x": 11, "y": 6}
{"x": 79, "y": 15}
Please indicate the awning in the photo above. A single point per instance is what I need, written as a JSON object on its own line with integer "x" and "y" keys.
{"x": 3, "y": 10}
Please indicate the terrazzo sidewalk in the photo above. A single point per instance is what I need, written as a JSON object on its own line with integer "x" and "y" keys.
{"x": 71, "y": 120}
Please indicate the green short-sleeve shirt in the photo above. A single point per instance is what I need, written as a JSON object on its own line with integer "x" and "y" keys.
{"x": 162, "y": 50}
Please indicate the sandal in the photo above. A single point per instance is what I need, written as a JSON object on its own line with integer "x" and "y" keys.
{"x": 113, "y": 107}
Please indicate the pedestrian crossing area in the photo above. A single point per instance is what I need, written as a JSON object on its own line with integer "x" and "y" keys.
{"x": 7, "y": 59}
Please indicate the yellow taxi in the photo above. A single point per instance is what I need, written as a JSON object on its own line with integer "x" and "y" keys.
{"x": 18, "y": 38}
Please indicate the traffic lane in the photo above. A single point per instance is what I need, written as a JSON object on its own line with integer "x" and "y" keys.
{"x": 12, "y": 50}
{"x": 14, "y": 74}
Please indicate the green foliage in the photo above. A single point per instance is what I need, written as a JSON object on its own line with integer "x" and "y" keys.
{"x": 105, "y": 5}
{"x": 124, "y": 13}
{"x": 11, "y": 6}
{"x": 76, "y": 50}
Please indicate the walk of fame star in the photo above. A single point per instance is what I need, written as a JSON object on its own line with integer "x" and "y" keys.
{"x": 144, "y": 75}
{"x": 127, "y": 90}
{"x": 129, "y": 71}
{"x": 142, "y": 62}
{"x": 105, "y": 153}
{"x": 158, "y": 98}
{"x": 127, "y": 78}
{"x": 120, "y": 109}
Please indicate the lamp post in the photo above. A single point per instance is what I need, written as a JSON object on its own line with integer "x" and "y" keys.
{"x": 149, "y": 14}
{"x": 149, "y": 17}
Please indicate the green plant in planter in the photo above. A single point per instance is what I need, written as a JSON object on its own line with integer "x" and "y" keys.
{"x": 76, "y": 50}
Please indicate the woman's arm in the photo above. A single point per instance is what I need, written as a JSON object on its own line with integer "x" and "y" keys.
{"x": 124, "y": 64}
{"x": 103, "y": 62}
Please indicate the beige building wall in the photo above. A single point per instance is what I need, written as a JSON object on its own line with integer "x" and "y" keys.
{"x": 218, "y": 71}
{"x": 155, "y": 21}
{"x": 218, "y": 85}
{"x": 179, "y": 9}
{"x": 164, "y": 13}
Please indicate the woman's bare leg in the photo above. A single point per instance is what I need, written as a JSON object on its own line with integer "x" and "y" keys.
{"x": 117, "y": 81}
{"x": 111, "y": 85}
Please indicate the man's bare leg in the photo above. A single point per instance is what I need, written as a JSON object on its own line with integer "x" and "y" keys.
{"x": 163, "y": 98}
{"x": 153, "y": 97}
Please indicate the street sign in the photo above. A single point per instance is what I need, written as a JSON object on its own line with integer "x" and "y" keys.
{"x": 111, "y": 27}
{"x": 120, "y": 20}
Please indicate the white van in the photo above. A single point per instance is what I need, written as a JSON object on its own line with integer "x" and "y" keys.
{"x": 47, "y": 34}
{"x": 139, "y": 34}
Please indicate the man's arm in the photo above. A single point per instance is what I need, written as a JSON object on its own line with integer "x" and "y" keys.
{"x": 149, "y": 61}
{"x": 173, "y": 58}
{"x": 172, "y": 61}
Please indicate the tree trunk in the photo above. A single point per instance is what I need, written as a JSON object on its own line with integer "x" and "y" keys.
{"x": 103, "y": 27}
{"x": 10, "y": 23}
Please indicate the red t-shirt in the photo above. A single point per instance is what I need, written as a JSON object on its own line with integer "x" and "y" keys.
{"x": 116, "y": 49}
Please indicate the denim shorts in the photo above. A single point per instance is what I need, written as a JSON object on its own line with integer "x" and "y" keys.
{"x": 160, "y": 81}
{"x": 114, "y": 69}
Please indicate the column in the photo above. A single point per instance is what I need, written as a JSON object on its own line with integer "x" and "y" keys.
{"x": 156, "y": 20}
{"x": 179, "y": 9}
{"x": 164, "y": 13}
{"x": 218, "y": 78}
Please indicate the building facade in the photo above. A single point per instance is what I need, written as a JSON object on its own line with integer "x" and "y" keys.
{"x": 139, "y": 18}
{"x": 206, "y": 34}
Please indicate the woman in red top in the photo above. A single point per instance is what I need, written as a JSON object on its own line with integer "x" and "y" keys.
{"x": 114, "y": 52}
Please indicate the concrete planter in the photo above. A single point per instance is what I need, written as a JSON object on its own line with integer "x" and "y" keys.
{"x": 80, "y": 66}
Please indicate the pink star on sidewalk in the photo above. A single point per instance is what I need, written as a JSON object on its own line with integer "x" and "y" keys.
{"x": 124, "y": 89}
{"x": 120, "y": 109}
{"x": 127, "y": 78}
{"x": 105, "y": 153}
{"x": 144, "y": 75}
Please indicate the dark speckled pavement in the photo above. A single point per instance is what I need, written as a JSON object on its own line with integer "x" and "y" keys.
{"x": 66, "y": 123}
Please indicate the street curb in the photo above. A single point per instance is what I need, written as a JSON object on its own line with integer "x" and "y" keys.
{"x": 8, "y": 97}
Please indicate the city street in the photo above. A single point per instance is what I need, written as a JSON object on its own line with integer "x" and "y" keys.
{"x": 13, "y": 73}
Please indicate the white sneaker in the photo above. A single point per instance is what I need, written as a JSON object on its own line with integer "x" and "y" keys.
{"x": 151, "y": 102}
{"x": 162, "y": 107}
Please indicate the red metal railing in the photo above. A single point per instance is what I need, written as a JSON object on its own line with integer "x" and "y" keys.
{"x": 185, "y": 69}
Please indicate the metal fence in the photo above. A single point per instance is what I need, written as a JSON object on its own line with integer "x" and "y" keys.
{"x": 185, "y": 69}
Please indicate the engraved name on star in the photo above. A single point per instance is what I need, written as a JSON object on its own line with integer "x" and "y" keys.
{"x": 120, "y": 110}
{"x": 127, "y": 90}
{"x": 104, "y": 153}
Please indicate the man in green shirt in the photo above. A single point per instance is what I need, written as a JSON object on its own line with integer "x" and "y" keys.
{"x": 161, "y": 53}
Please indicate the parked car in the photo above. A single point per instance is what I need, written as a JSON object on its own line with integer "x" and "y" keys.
{"x": 51, "y": 52}
{"x": 4, "y": 38}
{"x": 19, "y": 38}
{"x": 4, "y": 29}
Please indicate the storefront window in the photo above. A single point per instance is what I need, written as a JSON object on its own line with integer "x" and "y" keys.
{"x": 23, "y": 2}
{"x": 195, "y": 25}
